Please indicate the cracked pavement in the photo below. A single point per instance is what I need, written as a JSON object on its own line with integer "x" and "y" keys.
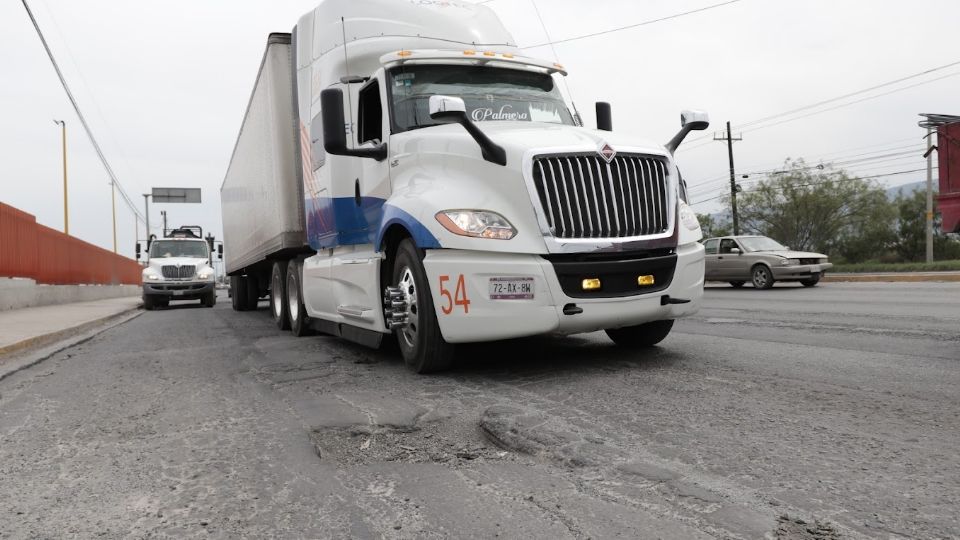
{"x": 791, "y": 413}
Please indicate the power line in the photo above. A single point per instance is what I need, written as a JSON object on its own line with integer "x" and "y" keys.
{"x": 629, "y": 26}
{"x": 83, "y": 120}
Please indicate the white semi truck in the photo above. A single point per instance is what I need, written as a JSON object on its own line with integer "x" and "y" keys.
{"x": 179, "y": 267}
{"x": 402, "y": 168}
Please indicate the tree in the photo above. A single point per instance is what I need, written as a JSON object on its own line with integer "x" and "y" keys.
{"x": 911, "y": 245}
{"x": 714, "y": 226}
{"x": 820, "y": 209}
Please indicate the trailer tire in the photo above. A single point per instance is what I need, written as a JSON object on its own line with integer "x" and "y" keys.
{"x": 278, "y": 297}
{"x": 641, "y": 335}
{"x": 238, "y": 293}
{"x": 253, "y": 292}
{"x": 420, "y": 340}
{"x": 296, "y": 310}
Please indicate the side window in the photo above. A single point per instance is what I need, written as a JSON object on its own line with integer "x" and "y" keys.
{"x": 727, "y": 244}
{"x": 370, "y": 113}
{"x": 711, "y": 246}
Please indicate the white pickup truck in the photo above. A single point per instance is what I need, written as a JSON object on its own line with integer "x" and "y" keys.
{"x": 404, "y": 169}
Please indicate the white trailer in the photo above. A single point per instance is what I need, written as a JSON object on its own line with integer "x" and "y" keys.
{"x": 403, "y": 169}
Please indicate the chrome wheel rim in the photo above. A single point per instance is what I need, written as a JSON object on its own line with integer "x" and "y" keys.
{"x": 408, "y": 286}
{"x": 276, "y": 298}
{"x": 293, "y": 300}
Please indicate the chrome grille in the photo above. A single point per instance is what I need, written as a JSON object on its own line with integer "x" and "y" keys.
{"x": 583, "y": 196}
{"x": 179, "y": 272}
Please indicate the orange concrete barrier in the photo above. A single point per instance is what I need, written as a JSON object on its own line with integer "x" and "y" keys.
{"x": 31, "y": 250}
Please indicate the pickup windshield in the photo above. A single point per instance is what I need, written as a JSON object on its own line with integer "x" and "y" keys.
{"x": 162, "y": 249}
{"x": 491, "y": 94}
{"x": 761, "y": 243}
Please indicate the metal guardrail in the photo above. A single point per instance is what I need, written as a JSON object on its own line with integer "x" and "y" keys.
{"x": 30, "y": 250}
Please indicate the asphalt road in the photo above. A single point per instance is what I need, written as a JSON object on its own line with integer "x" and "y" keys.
{"x": 831, "y": 412}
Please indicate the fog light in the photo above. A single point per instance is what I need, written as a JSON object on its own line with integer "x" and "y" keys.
{"x": 590, "y": 284}
{"x": 646, "y": 281}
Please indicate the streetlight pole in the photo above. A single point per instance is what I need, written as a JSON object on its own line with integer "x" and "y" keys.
{"x": 146, "y": 214}
{"x": 113, "y": 207}
{"x": 66, "y": 217}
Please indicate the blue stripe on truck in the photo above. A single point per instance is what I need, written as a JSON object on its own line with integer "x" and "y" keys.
{"x": 339, "y": 221}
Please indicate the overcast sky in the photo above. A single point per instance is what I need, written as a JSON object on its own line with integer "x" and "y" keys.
{"x": 165, "y": 84}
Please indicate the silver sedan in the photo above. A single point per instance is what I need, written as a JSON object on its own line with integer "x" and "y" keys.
{"x": 762, "y": 261}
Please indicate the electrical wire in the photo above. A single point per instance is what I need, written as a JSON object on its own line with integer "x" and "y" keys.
{"x": 630, "y": 26}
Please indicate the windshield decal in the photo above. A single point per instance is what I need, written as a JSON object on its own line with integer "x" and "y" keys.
{"x": 506, "y": 112}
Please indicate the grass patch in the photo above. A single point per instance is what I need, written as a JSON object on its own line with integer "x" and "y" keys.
{"x": 936, "y": 266}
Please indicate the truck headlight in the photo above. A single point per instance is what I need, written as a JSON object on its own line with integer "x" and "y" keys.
{"x": 790, "y": 262}
{"x": 205, "y": 274}
{"x": 151, "y": 276}
{"x": 688, "y": 217}
{"x": 477, "y": 224}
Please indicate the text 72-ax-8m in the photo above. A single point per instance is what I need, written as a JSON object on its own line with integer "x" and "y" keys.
{"x": 425, "y": 179}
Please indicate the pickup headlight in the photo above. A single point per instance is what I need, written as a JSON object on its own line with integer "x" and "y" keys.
{"x": 477, "y": 224}
{"x": 790, "y": 262}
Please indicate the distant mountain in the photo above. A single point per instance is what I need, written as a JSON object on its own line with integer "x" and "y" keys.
{"x": 908, "y": 189}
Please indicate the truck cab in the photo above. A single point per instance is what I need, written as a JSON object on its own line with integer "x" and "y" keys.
{"x": 449, "y": 193}
{"x": 178, "y": 267}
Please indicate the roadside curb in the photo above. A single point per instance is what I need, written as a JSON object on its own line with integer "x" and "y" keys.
{"x": 892, "y": 278}
{"x": 34, "y": 350}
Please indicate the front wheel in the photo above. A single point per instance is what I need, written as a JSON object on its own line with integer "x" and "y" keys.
{"x": 812, "y": 282}
{"x": 762, "y": 277}
{"x": 642, "y": 335}
{"x": 419, "y": 337}
{"x": 209, "y": 299}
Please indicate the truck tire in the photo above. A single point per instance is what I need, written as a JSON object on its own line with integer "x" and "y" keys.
{"x": 253, "y": 292}
{"x": 421, "y": 343}
{"x": 238, "y": 293}
{"x": 296, "y": 310}
{"x": 642, "y": 335}
{"x": 761, "y": 276}
{"x": 210, "y": 299}
{"x": 278, "y": 296}
{"x": 148, "y": 303}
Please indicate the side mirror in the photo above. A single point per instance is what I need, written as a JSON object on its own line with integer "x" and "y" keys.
{"x": 335, "y": 131}
{"x": 452, "y": 110}
{"x": 220, "y": 251}
{"x": 138, "y": 251}
{"x": 689, "y": 121}
{"x": 604, "y": 116}
{"x": 736, "y": 251}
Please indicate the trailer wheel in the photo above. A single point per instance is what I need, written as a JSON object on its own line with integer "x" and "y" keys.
{"x": 641, "y": 335}
{"x": 299, "y": 321}
{"x": 420, "y": 340}
{"x": 278, "y": 298}
{"x": 253, "y": 292}
{"x": 238, "y": 293}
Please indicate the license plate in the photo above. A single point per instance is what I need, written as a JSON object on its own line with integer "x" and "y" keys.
{"x": 511, "y": 288}
{"x": 178, "y": 293}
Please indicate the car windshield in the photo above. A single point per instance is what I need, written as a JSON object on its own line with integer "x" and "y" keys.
{"x": 162, "y": 249}
{"x": 490, "y": 94}
{"x": 761, "y": 243}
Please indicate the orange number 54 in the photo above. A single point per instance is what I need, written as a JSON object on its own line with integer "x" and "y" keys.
{"x": 457, "y": 298}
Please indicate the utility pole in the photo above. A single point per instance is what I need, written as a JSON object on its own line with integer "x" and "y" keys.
{"x": 66, "y": 217}
{"x": 929, "y": 194}
{"x": 164, "y": 214}
{"x": 146, "y": 214}
{"x": 113, "y": 207}
{"x": 728, "y": 136}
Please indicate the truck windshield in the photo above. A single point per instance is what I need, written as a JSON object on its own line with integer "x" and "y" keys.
{"x": 161, "y": 249}
{"x": 490, "y": 94}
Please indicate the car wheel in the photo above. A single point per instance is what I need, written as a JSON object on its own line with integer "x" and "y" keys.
{"x": 419, "y": 338}
{"x": 812, "y": 282}
{"x": 278, "y": 299}
{"x": 762, "y": 277}
{"x": 642, "y": 335}
{"x": 296, "y": 311}
{"x": 737, "y": 284}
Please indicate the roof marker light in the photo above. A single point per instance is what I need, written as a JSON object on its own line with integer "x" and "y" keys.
{"x": 489, "y": 53}
{"x": 469, "y": 52}
{"x": 507, "y": 55}
{"x": 404, "y": 54}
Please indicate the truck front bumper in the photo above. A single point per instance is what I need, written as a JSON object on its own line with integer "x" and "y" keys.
{"x": 179, "y": 290}
{"x": 469, "y": 314}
